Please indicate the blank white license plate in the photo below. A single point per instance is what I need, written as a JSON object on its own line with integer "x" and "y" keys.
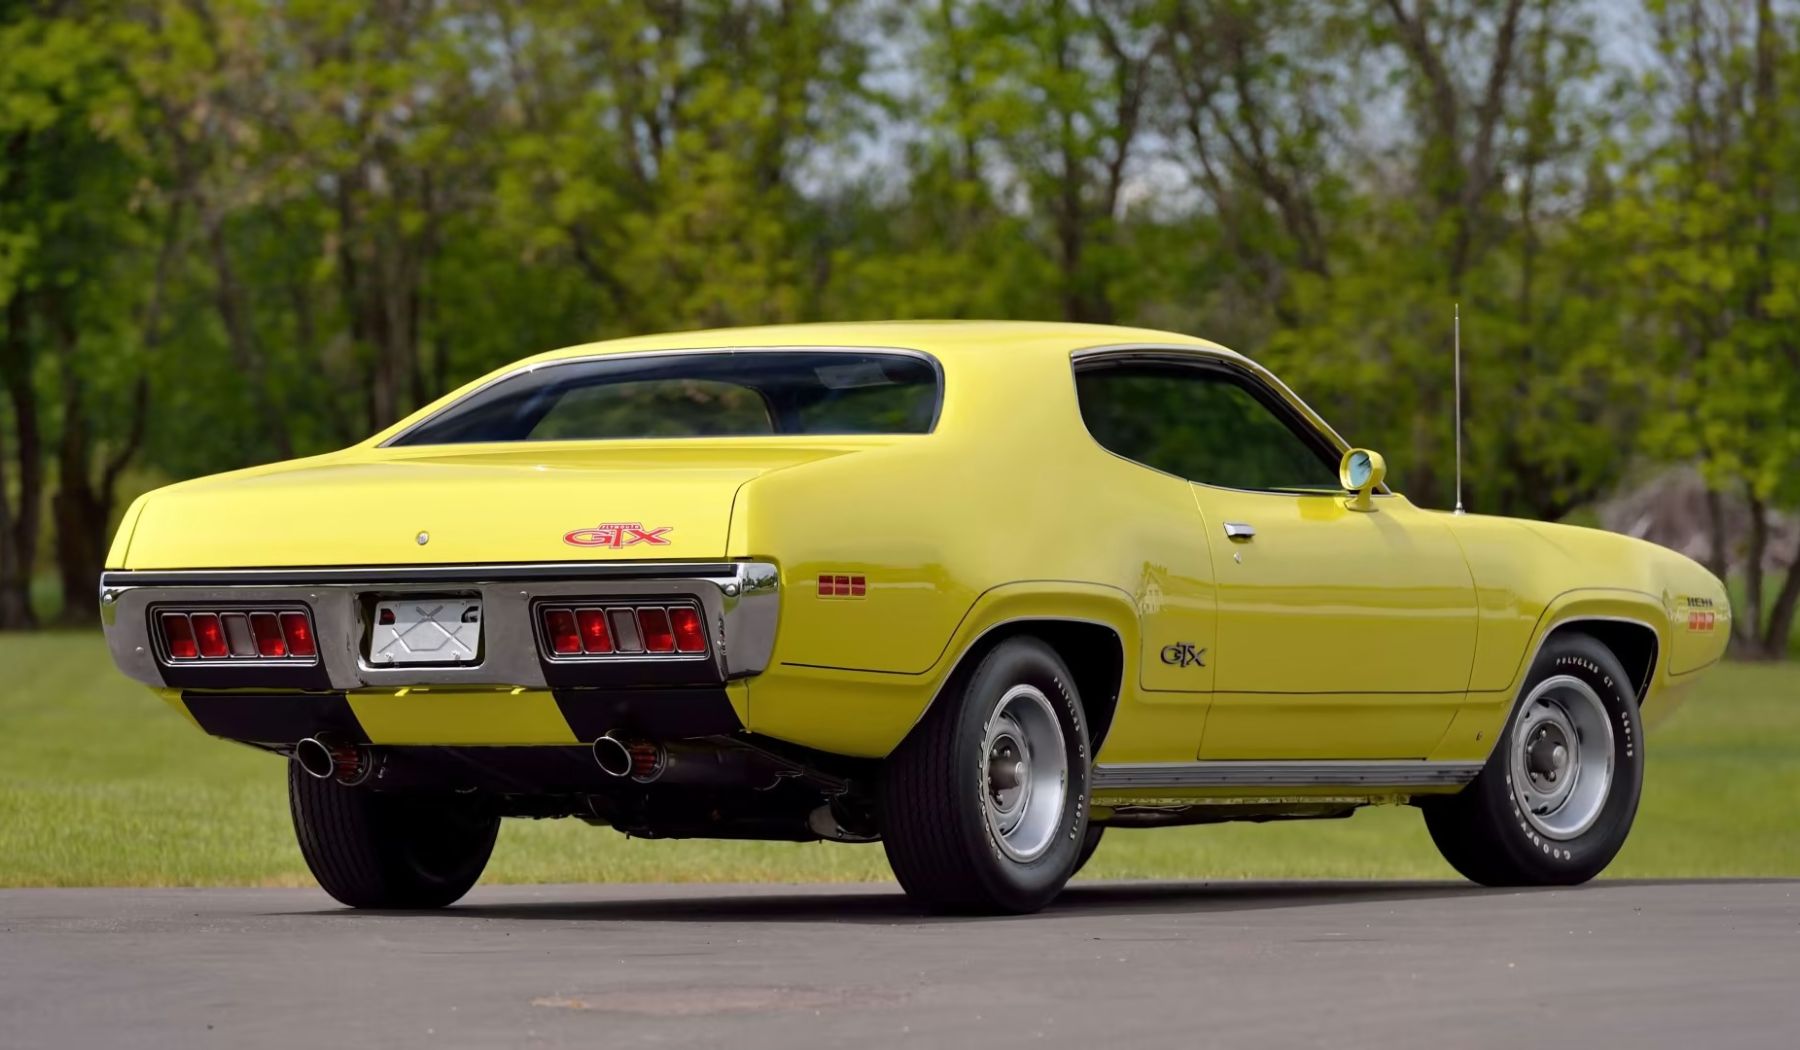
{"x": 426, "y": 631}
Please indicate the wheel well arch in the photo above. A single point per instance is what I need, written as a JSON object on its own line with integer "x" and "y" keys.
{"x": 1093, "y": 652}
{"x": 1633, "y": 642}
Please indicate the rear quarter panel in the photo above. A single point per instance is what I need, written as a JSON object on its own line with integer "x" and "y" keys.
{"x": 1007, "y": 511}
{"x": 1001, "y": 492}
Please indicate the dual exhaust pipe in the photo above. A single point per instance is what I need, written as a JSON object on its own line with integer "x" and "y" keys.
{"x": 326, "y": 759}
{"x": 617, "y": 755}
{"x": 649, "y": 761}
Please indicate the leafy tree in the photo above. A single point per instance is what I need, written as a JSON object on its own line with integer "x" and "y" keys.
{"x": 83, "y": 264}
{"x": 1711, "y": 211}
{"x": 233, "y": 231}
{"x": 1361, "y": 233}
{"x": 660, "y": 149}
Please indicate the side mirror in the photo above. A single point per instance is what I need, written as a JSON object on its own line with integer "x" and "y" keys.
{"x": 1360, "y": 472}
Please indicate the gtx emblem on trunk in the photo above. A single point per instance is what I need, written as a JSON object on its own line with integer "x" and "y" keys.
{"x": 618, "y": 534}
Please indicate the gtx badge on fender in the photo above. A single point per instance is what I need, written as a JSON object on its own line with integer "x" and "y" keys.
{"x": 1183, "y": 654}
{"x": 618, "y": 534}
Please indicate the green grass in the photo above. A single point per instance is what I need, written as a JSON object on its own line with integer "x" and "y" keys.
{"x": 101, "y": 784}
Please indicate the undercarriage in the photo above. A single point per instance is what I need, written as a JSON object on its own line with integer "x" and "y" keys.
{"x": 710, "y": 787}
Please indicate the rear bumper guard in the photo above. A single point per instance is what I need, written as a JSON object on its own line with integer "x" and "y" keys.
{"x": 740, "y": 601}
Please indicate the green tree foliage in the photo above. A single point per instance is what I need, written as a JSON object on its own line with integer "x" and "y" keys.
{"x": 232, "y": 231}
{"x": 1708, "y": 227}
{"x": 83, "y": 262}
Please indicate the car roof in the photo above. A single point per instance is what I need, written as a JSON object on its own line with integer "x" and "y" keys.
{"x": 946, "y": 340}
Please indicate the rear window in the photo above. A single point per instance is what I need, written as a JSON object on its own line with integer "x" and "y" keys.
{"x": 714, "y": 394}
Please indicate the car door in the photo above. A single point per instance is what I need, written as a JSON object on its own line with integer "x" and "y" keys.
{"x": 1340, "y": 633}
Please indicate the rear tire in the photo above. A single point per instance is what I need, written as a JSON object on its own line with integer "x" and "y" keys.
{"x": 1557, "y": 797}
{"x": 372, "y": 849}
{"x": 984, "y": 806}
{"x": 1089, "y": 843}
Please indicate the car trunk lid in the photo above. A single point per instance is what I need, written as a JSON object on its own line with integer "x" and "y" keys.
{"x": 462, "y": 505}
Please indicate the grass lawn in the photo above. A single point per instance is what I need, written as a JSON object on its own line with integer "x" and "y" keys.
{"x": 100, "y": 784}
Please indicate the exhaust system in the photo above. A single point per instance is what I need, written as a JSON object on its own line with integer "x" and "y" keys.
{"x": 325, "y": 759}
{"x": 648, "y": 762}
{"x": 642, "y": 760}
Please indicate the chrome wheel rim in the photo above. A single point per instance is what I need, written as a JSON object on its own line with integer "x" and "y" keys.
{"x": 1025, "y": 773}
{"x": 1561, "y": 763}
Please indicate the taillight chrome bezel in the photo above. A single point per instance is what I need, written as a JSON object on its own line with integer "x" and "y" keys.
{"x": 622, "y": 651}
{"x": 226, "y": 611}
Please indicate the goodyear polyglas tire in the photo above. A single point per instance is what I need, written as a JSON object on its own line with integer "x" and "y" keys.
{"x": 372, "y": 849}
{"x": 984, "y": 806}
{"x": 1557, "y": 797}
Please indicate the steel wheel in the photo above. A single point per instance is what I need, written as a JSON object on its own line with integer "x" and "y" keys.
{"x": 1561, "y": 757}
{"x": 1557, "y": 796}
{"x": 1027, "y": 773}
{"x": 984, "y": 806}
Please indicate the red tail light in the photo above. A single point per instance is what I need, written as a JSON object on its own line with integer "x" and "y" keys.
{"x": 690, "y": 637}
{"x": 178, "y": 637}
{"x": 595, "y": 638}
{"x": 297, "y": 630}
{"x": 654, "y": 623}
{"x": 237, "y": 634}
{"x": 559, "y": 628}
{"x": 209, "y": 635}
{"x": 268, "y": 635}
{"x": 622, "y": 630}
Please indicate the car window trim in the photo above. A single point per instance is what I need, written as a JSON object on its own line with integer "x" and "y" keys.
{"x": 433, "y": 412}
{"x": 1266, "y": 388}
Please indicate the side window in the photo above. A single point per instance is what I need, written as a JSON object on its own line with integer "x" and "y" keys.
{"x": 1203, "y": 424}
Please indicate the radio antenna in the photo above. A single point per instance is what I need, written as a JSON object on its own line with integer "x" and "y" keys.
{"x": 1456, "y": 351}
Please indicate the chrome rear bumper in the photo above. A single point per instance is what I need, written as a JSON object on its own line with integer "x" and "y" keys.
{"x": 740, "y": 601}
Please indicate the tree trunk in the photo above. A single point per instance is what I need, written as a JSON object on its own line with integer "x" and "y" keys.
{"x": 240, "y": 336}
{"x": 20, "y": 539}
{"x": 12, "y": 611}
{"x": 1781, "y": 614}
{"x": 18, "y": 524}
{"x": 1718, "y": 553}
{"x": 1746, "y": 629}
{"x": 79, "y": 517}
{"x": 81, "y": 511}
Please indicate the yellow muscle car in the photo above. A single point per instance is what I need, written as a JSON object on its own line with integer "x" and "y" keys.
{"x": 976, "y": 590}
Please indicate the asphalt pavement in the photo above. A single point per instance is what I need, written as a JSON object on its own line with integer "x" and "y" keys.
{"x": 1641, "y": 965}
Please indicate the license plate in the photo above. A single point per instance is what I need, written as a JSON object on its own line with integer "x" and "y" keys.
{"x": 426, "y": 631}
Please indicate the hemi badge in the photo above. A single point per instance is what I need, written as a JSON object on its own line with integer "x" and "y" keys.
{"x": 840, "y": 586}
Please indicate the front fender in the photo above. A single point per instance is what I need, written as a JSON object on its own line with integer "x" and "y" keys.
{"x": 1477, "y": 726}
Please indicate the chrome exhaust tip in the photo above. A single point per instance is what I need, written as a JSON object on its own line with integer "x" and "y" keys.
{"x": 348, "y": 764}
{"x": 619, "y": 756}
{"x": 612, "y": 756}
{"x": 315, "y": 758}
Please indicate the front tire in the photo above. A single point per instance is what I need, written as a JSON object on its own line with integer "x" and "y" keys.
{"x": 984, "y": 807}
{"x": 372, "y": 849}
{"x": 1089, "y": 843}
{"x": 1555, "y": 801}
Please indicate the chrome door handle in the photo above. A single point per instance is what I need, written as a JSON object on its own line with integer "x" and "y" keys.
{"x": 1237, "y": 530}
